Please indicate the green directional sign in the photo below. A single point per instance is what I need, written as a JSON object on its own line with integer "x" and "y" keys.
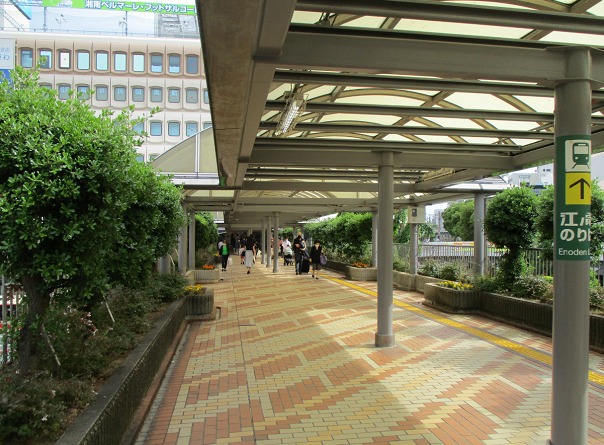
{"x": 573, "y": 197}
{"x": 126, "y": 6}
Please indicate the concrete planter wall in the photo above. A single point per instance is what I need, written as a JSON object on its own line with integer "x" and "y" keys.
{"x": 200, "y": 306}
{"x": 403, "y": 280}
{"x": 526, "y": 314}
{"x": 421, "y": 280}
{"x": 336, "y": 265}
{"x": 361, "y": 273}
{"x": 202, "y": 276}
{"x": 451, "y": 300}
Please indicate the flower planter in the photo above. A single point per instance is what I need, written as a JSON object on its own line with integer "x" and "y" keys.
{"x": 422, "y": 280}
{"x": 361, "y": 273}
{"x": 201, "y": 306}
{"x": 203, "y": 276}
{"x": 450, "y": 300}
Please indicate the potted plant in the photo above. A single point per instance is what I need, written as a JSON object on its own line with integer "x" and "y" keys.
{"x": 207, "y": 274}
{"x": 200, "y": 301}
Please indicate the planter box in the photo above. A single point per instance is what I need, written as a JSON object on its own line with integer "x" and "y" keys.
{"x": 361, "y": 273}
{"x": 450, "y": 300}
{"x": 526, "y": 314}
{"x": 200, "y": 306}
{"x": 422, "y": 280}
{"x": 202, "y": 276}
{"x": 404, "y": 280}
{"x": 336, "y": 265}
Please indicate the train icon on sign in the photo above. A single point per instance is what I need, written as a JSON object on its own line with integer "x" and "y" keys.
{"x": 580, "y": 153}
{"x": 578, "y": 156}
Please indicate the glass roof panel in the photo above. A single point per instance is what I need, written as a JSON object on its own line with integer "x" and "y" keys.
{"x": 541, "y": 104}
{"x": 380, "y": 100}
{"x": 579, "y": 39}
{"x": 462, "y": 29}
{"x": 455, "y": 123}
{"x": 479, "y": 102}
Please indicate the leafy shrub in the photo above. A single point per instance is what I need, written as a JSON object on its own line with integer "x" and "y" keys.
{"x": 428, "y": 268}
{"x": 486, "y": 283}
{"x": 449, "y": 272}
{"x": 532, "y": 288}
{"x": 596, "y": 298}
{"x": 37, "y": 406}
{"x": 400, "y": 266}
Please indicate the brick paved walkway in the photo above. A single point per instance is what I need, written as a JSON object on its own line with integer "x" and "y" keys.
{"x": 291, "y": 361}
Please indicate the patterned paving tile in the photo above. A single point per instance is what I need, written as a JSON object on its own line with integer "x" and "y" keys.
{"x": 292, "y": 361}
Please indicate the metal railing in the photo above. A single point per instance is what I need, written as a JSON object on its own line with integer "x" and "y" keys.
{"x": 462, "y": 254}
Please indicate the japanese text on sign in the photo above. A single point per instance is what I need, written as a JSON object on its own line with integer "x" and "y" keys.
{"x": 129, "y": 6}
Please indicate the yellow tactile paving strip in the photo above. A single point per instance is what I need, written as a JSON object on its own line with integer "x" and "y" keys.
{"x": 292, "y": 361}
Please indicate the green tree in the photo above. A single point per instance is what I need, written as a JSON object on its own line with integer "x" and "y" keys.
{"x": 206, "y": 232}
{"x": 510, "y": 222}
{"x": 458, "y": 219}
{"x": 545, "y": 220}
{"x": 348, "y": 233}
{"x": 74, "y": 203}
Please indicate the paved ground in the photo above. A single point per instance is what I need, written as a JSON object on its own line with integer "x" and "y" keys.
{"x": 291, "y": 361}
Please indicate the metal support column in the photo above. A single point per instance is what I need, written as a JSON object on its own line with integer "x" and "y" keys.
{"x": 191, "y": 263}
{"x": 267, "y": 246}
{"x": 374, "y": 238}
{"x": 479, "y": 241}
{"x": 571, "y": 251}
{"x": 182, "y": 249}
{"x": 276, "y": 242}
{"x": 263, "y": 242}
{"x": 413, "y": 248}
{"x": 384, "y": 335}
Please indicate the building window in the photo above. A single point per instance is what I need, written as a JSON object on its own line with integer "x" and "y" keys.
{"x": 173, "y": 128}
{"x": 119, "y": 94}
{"x": 102, "y": 93}
{"x": 64, "y": 59}
{"x": 155, "y": 128}
{"x": 139, "y": 127}
{"x": 83, "y": 91}
{"x": 138, "y": 94}
{"x": 206, "y": 96}
{"x": 138, "y": 63}
{"x": 174, "y": 63}
{"x": 192, "y": 95}
{"x": 157, "y": 94}
{"x": 140, "y": 158}
{"x": 27, "y": 57}
{"x": 45, "y": 58}
{"x": 46, "y": 85}
{"x": 174, "y": 95}
{"x": 192, "y": 64}
{"x": 207, "y": 125}
{"x": 153, "y": 157}
{"x": 83, "y": 60}
{"x": 157, "y": 63}
{"x": 191, "y": 128}
{"x": 119, "y": 61}
{"x": 64, "y": 90}
{"x": 102, "y": 61}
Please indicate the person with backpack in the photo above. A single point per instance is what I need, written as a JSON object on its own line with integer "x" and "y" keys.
{"x": 224, "y": 251}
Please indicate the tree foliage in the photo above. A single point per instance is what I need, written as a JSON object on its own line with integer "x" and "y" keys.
{"x": 510, "y": 222}
{"x": 545, "y": 220}
{"x": 348, "y": 234}
{"x": 78, "y": 213}
{"x": 458, "y": 220}
{"x": 206, "y": 231}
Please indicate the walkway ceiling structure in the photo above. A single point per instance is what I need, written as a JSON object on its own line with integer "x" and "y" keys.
{"x": 459, "y": 91}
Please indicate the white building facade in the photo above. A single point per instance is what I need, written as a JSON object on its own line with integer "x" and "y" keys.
{"x": 115, "y": 72}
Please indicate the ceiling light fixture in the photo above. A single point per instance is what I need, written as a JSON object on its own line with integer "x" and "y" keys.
{"x": 295, "y": 106}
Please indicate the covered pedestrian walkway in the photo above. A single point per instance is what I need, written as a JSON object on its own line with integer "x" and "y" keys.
{"x": 291, "y": 360}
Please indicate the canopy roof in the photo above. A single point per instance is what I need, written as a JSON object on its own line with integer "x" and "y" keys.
{"x": 459, "y": 91}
